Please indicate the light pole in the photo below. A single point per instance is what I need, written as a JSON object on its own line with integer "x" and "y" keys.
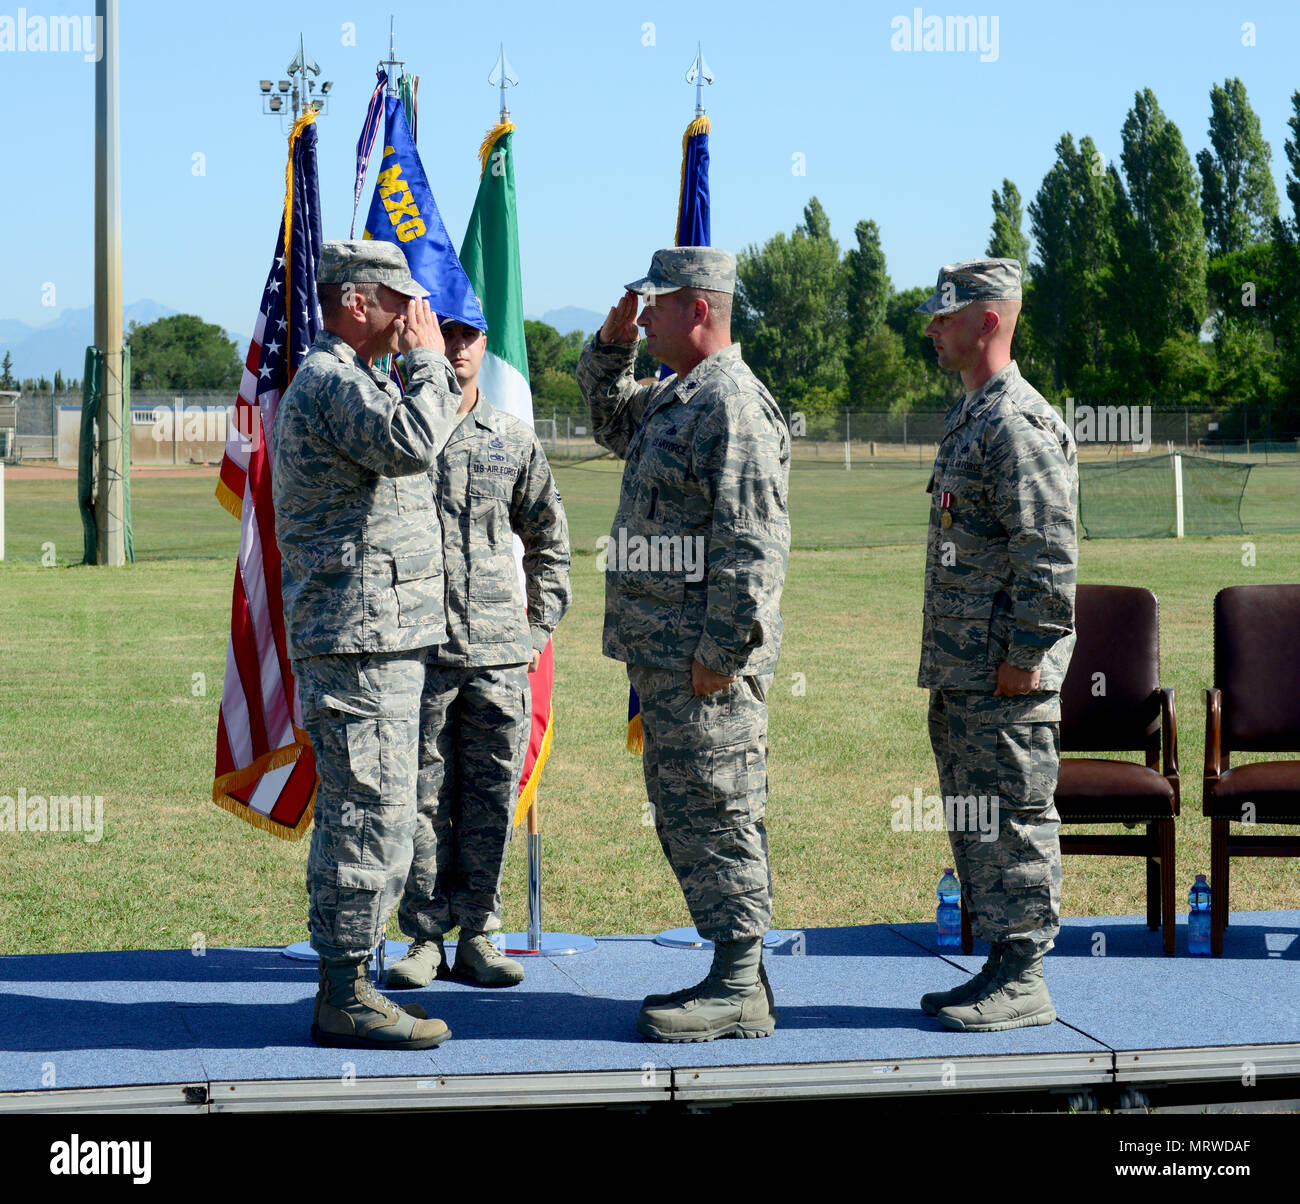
{"x": 298, "y": 89}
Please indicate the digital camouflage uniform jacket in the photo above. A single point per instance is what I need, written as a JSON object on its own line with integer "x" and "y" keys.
{"x": 708, "y": 461}
{"x": 355, "y": 514}
{"x": 999, "y": 581}
{"x": 493, "y": 482}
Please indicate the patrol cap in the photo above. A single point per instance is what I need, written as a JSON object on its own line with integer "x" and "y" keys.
{"x": 675, "y": 268}
{"x": 367, "y": 261}
{"x": 973, "y": 280}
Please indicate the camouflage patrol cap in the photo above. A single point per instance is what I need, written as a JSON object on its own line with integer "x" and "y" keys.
{"x": 367, "y": 261}
{"x": 674, "y": 268}
{"x": 973, "y": 280}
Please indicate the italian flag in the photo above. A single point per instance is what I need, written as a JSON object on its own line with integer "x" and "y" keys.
{"x": 490, "y": 257}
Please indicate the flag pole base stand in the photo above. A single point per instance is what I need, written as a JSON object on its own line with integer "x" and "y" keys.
{"x": 688, "y": 938}
{"x": 552, "y": 944}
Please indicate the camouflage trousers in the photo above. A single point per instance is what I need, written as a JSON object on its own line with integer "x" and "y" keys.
{"x": 705, "y": 764}
{"x": 1008, "y": 750}
{"x": 474, "y": 726}
{"x": 362, "y": 712}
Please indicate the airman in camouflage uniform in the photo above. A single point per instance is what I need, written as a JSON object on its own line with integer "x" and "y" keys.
{"x": 360, "y": 543}
{"x": 998, "y": 632}
{"x": 493, "y": 483}
{"x": 695, "y": 563}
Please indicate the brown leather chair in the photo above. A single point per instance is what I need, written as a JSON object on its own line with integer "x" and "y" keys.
{"x": 1253, "y": 707}
{"x": 1122, "y": 710}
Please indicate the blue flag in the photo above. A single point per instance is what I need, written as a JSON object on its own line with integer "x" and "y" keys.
{"x": 693, "y": 226}
{"x": 403, "y": 212}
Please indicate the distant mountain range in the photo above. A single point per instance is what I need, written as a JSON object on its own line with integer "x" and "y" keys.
{"x": 571, "y": 318}
{"x": 61, "y": 346}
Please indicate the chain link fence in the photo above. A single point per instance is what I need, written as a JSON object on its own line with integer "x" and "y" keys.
{"x": 845, "y": 437}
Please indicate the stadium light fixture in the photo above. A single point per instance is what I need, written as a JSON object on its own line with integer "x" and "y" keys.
{"x": 280, "y": 98}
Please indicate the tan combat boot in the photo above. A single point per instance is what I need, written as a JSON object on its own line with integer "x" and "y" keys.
{"x": 418, "y": 966}
{"x": 351, "y": 1014}
{"x": 734, "y": 1001}
{"x": 479, "y": 960}
{"x": 1016, "y": 998}
{"x": 969, "y": 991}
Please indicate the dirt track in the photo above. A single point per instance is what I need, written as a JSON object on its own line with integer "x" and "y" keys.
{"x": 53, "y": 472}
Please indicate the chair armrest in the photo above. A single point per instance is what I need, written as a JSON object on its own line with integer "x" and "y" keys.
{"x": 1213, "y": 753}
{"x": 1169, "y": 740}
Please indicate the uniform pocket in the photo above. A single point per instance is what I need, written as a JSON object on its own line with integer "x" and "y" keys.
{"x": 493, "y": 579}
{"x": 365, "y": 764}
{"x": 1031, "y": 877}
{"x": 418, "y": 583}
{"x": 414, "y": 493}
{"x": 728, "y": 791}
{"x": 1028, "y": 762}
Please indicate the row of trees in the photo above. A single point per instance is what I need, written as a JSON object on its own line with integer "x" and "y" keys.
{"x": 33, "y": 384}
{"x": 1151, "y": 281}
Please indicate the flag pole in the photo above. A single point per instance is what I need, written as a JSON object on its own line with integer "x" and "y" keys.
{"x": 392, "y": 60}
{"x": 535, "y": 942}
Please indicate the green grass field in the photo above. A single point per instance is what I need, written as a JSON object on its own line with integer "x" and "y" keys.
{"x": 111, "y": 681}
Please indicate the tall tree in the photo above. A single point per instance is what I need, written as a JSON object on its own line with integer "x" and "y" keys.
{"x": 1286, "y": 266}
{"x": 867, "y": 291}
{"x": 182, "y": 352}
{"x": 1072, "y": 219}
{"x": 1238, "y": 199}
{"x": 7, "y": 373}
{"x": 867, "y": 286}
{"x": 790, "y": 309}
{"x": 1165, "y": 257}
{"x": 1006, "y": 239}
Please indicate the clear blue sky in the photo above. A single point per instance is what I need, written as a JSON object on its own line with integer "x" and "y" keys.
{"x": 916, "y": 141}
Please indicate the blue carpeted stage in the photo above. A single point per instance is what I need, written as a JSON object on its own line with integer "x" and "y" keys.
{"x": 226, "y": 1031}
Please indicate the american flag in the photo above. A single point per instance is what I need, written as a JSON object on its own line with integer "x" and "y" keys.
{"x": 266, "y": 772}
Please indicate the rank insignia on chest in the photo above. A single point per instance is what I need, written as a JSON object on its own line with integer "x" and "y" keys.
{"x": 497, "y": 443}
{"x": 945, "y": 504}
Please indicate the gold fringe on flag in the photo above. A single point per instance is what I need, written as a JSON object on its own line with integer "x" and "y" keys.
{"x": 528, "y": 795}
{"x": 490, "y": 140}
{"x": 699, "y": 126}
{"x": 277, "y": 758}
{"x": 226, "y": 496}
{"x": 298, "y": 126}
{"x": 635, "y": 737}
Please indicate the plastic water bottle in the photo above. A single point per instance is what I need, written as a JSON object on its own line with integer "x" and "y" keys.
{"x": 948, "y": 914}
{"x": 1198, "y": 919}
